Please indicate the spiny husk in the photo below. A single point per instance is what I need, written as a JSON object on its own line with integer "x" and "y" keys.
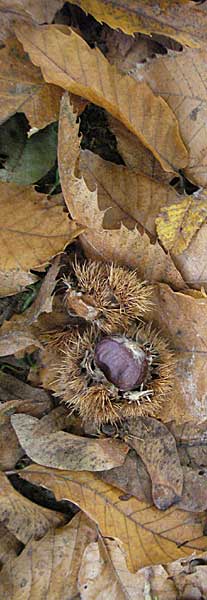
{"x": 117, "y": 294}
{"x": 84, "y": 388}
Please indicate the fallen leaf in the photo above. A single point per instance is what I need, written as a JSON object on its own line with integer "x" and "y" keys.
{"x": 25, "y": 89}
{"x": 121, "y": 246}
{"x": 191, "y": 440}
{"x": 9, "y": 546}
{"x": 41, "y": 11}
{"x": 157, "y": 448}
{"x": 12, "y": 388}
{"x": 24, "y": 518}
{"x": 10, "y": 448}
{"x": 183, "y": 319}
{"x": 136, "y": 156}
{"x": 105, "y": 561}
{"x": 194, "y": 497}
{"x": 15, "y": 341}
{"x": 192, "y": 262}
{"x": 125, "y": 197}
{"x": 132, "y": 477}
{"x": 187, "y": 24}
{"x": 32, "y": 230}
{"x": 62, "y": 450}
{"x": 48, "y": 568}
{"x": 178, "y": 223}
{"x": 15, "y": 281}
{"x": 44, "y": 300}
{"x": 175, "y": 77}
{"x": 27, "y": 159}
{"x": 149, "y": 537}
{"x": 130, "y": 101}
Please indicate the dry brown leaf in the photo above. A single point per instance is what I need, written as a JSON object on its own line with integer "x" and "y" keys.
{"x": 18, "y": 333}
{"x": 157, "y": 448}
{"x": 9, "y": 545}
{"x": 183, "y": 318}
{"x": 130, "y": 101}
{"x": 105, "y": 561}
{"x": 62, "y": 450}
{"x": 121, "y": 246}
{"x": 41, "y": 11}
{"x": 132, "y": 477}
{"x": 191, "y": 440}
{"x": 32, "y": 229}
{"x": 187, "y": 24}
{"x": 175, "y": 77}
{"x": 48, "y": 569}
{"x": 15, "y": 281}
{"x": 24, "y": 518}
{"x": 192, "y": 262}
{"x": 23, "y": 88}
{"x": 149, "y": 537}
{"x": 136, "y": 156}
{"x": 178, "y": 223}
{"x": 15, "y": 389}
{"x": 125, "y": 197}
{"x": 10, "y": 448}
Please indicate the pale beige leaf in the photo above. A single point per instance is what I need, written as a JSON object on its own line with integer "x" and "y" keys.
{"x": 48, "y": 569}
{"x": 105, "y": 561}
{"x": 15, "y": 389}
{"x": 32, "y": 228}
{"x": 12, "y": 342}
{"x": 132, "y": 477}
{"x": 121, "y": 245}
{"x": 41, "y": 11}
{"x": 64, "y": 450}
{"x": 183, "y": 318}
{"x": 86, "y": 72}
{"x": 24, "y": 518}
{"x": 166, "y": 17}
{"x": 23, "y": 89}
{"x": 177, "y": 224}
{"x": 175, "y": 77}
{"x": 192, "y": 262}
{"x": 149, "y": 536}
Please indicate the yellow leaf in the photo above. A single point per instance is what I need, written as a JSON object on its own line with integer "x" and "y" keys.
{"x": 23, "y": 89}
{"x": 33, "y": 228}
{"x": 67, "y": 60}
{"x": 166, "y": 17}
{"x": 177, "y": 224}
{"x": 149, "y": 536}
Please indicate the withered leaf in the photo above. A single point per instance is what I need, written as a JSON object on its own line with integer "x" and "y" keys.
{"x": 183, "y": 319}
{"x": 132, "y": 477}
{"x": 24, "y": 518}
{"x": 62, "y": 450}
{"x": 122, "y": 246}
{"x": 192, "y": 262}
{"x": 12, "y": 388}
{"x": 32, "y": 228}
{"x": 23, "y": 88}
{"x": 15, "y": 281}
{"x": 48, "y": 568}
{"x": 157, "y": 448}
{"x": 9, "y": 545}
{"x": 186, "y": 24}
{"x": 148, "y": 535}
{"x": 130, "y": 101}
{"x": 177, "y": 224}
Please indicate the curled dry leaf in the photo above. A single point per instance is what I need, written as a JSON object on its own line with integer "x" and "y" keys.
{"x": 177, "y": 224}
{"x": 132, "y": 477}
{"x": 149, "y": 537}
{"x": 32, "y": 228}
{"x": 24, "y": 518}
{"x": 187, "y": 24}
{"x": 157, "y": 448}
{"x": 130, "y": 101}
{"x": 122, "y": 246}
{"x": 48, "y": 568}
{"x": 183, "y": 318}
{"x": 64, "y": 450}
{"x": 25, "y": 89}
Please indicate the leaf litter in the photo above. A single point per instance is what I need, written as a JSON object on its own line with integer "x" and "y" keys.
{"x": 139, "y": 202}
